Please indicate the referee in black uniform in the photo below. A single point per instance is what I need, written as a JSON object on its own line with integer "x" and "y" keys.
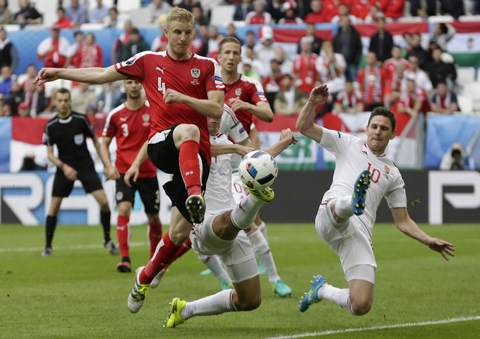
{"x": 68, "y": 130}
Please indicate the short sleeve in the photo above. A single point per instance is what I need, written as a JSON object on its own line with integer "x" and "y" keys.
{"x": 256, "y": 92}
{"x": 110, "y": 129}
{"x": 88, "y": 129}
{"x": 396, "y": 196}
{"x": 47, "y": 137}
{"x": 231, "y": 126}
{"x": 335, "y": 142}
{"x": 214, "y": 81}
{"x": 133, "y": 68}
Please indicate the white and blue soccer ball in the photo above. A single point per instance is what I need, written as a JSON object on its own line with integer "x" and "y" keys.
{"x": 258, "y": 170}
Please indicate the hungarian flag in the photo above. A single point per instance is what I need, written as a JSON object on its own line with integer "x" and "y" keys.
{"x": 465, "y": 44}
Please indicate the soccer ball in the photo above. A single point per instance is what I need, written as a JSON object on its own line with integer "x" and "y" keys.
{"x": 258, "y": 170}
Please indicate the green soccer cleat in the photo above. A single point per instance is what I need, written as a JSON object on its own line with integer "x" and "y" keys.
{"x": 174, "y": 319}
{"x": 136, "y": 298}
{"x": 227, "y": 286}
{"x": 266, "y": 195}
{"x": 360, "y": 192}
{"x": 206, "y": 272}
{"x": 195, "y": 205}
{"x": 261, "y": 269}
{"x": 280, "y": 288}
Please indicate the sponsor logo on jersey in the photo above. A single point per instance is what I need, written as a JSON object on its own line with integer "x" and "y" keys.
{"x": 146, "y": 117}
{"x": 78, "y": 139}
{"x": 195, "y": 82}
{"x": 161, "y": 69}
{"x": 123, "y": 119}
{"x": 238, "y": 91}
{"x": 195, "y": 72}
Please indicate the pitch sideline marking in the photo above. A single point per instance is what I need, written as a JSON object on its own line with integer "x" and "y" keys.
{"x": 374, "y": 328}
{"x": 60, "y": 248}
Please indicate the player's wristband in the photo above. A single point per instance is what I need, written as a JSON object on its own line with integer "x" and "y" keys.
{"x": 60, "y": 167}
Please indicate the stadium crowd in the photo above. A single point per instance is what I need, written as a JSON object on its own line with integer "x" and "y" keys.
{"x": 411, "y": 79}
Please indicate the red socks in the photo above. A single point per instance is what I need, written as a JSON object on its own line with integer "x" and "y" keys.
{"x": 183, "y": 249}
{"x": 163, "y": 256}
{"x": 190, "y": 166}
{"x": 154, "y": 236}
{"x": 123, "y": 234}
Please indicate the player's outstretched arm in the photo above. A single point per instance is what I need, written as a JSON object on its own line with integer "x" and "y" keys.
{"x": 91, "y": 75}
{"x": 211, "y": 107}
{"x": 134, "y": 170}
{"x": 305, "y": 122}
{"x": 409, "y": 227}
{"x": 109, "y": 171}
{"x": 286, "y": 139}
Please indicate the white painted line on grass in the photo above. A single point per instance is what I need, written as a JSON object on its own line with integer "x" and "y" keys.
{"x": 64, "y": 248}
{"x": 375, "y": 328}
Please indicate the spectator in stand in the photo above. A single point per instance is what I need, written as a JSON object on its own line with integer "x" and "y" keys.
{"x": 120, "y": 42}
{"x": 396, "y": 59}
{"x": 344, "y": 10}
{"x": 242, "y": 10}
{"x": 373, "y": 15}
{"x": 381, "y": 43}
{"x": 99, "y": 13}
{"x": 135, "y": 45}
{"x": 197, "y": 44}
{"x": 256, "y": 65}
{"x": 34, "y": 98}
{"x": 204, "y": 34}
{"x": 82, "y": 96}
{"x": 331, "y": 7}
{"x": 23, "y": 110}
{"x": 113, "y": 20}
{"x": 73, "y": 50}
{"x": 27, "y": 15}
{"x": 213, "y": 42}
{"x": 391, "y": 8}
{"x": 186, "y": 4}
{"x": 443, "y": 100}
{"x": 422, "y": 8}
{"x": 455, "y": 159}
{"x": 197, "y": 12}
{"x": 395, "y": 86}
{"x": 452, "y": 7}
{"x": 408, "y": 41}
{"x": 5, "y": 15}
{"x": 304, "y": 68}
{"x": 286, "y": 63}
{"x": 331, "y": 68}
{"x": 271, "y": 82}
{"x": 413, "y": 101}
{"x": 248, "y": 70}
{"x": 259, "y": 16}
{"x": 372, "y": 81}
{"x": 77, "y": 13}
{"x": 249, "y": 42}
{"x": 265, "y": 49}
{"x": 318, "y": 14}
{"x": 6, "y": 83}
{"x": 361, "y": 8}
{"x": 348, "y": 43}
{"x": 421, "y": 78}
{"x": 8, "y": 52}
{"x": 289, "y": 99}
{"x": 290, "y": 16}
{"x": 31, "y": 75}
{"x": 63, "y": 22}
{"x": 157, "y": 8}
{"x": 438, "y": 71}
{"x": 110, "y": 97}
{"x": 54, "y": 50}
{"x": 15, "y": 96}
{"x": 50, "y": 103}
{"x": 232, "y": 32}
{"x": 315, "y": 42}
{"x": 417, "y": 50}
{"x": 160, "y": 43}
{"x": 274, "y": 7}
{"x": 349, "y": 100}
{"x": 442, "y": 34}
{"x": 89, "y": 53}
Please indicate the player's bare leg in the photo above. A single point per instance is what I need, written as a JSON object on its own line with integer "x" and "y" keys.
{"x": 105, "y": 215}
{"x": 123, "y": 234}
{"x": 51, "y": 224}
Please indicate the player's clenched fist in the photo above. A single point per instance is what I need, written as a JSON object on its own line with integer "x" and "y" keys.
{"x": 287, "y": 135}
{"x": 173, "y": 97}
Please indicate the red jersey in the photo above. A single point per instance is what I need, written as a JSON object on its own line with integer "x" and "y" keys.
{"x": 89, "y": 56}
{"x": 361, "y": 8}
{"x": 349, "y": 100}
{"x": 392, "y": 8}
{"x": 390, "y": 64}
{"x": 131, "y": 129}
{"x": 194, "y": 77}
{"x": 305, "y": 70}
{"x": 248, "y": 90}
{"x": 315, "y": 18}
{"x": 408, "y": 99}
{"x": 371, "y": 81}
{"x": 253, "y": 18}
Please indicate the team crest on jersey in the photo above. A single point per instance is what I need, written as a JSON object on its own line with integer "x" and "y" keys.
{"x": 238, "y": 91}
{"x": 195, "y": 72}
{"x": 146, "y": 117}
{"x": 119, "y": 196}
{"x": 387, "y": 169}
{"x": 78, "y": 139}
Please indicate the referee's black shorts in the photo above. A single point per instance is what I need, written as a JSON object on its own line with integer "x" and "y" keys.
{"x": 62, "y": 187}
{"x": 164, "y": 155}
{"x": 148, "y": 189}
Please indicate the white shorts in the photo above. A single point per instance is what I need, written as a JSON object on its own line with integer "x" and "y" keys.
{"x": 353, "y": 245}
{"x": 237, "y": 255}
{"x": 239, "y": 191}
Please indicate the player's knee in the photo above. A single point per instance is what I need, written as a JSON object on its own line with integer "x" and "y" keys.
{"x": 251, "y": 303}
{"x": 154, "y": 219}
{"x": 191, "y": 132}
{"x": 104, "y": 207}
{"x": 361, "y": 305}
{"x": 123, "y": 211}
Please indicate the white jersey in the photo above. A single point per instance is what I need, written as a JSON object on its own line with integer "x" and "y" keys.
{"x": 218, "y": 196}
{"x": 352, "y": 157}
{"x": 231, "y": 126}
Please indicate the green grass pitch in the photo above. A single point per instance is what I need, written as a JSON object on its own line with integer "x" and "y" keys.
{"x": 77, "y": 293}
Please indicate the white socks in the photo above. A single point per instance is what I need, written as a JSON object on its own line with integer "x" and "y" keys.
{"x": 263, "y": 253}
{"x": 341, "y": 297}
{"x": 263, "y": 228}
{"x": 245, "y": 212}
{"x": 215, "y": 304}
{"x": 214, "y": 264}
{"x": 343, "y": 207}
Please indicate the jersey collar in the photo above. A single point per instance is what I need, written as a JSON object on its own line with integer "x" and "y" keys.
{"x": 65, "y": 121}
{"x": 370, "y": 151}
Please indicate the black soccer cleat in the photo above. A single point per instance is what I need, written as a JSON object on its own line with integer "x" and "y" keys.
{"x": 195, "y": 205}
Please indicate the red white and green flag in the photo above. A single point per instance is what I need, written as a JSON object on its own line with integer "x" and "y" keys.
{"x": 465, "y": 44}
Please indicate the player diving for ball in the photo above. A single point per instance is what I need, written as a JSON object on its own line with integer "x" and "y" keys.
{"x": 346, "y": 215}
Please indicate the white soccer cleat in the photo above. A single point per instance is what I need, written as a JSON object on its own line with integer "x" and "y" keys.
{"x": 136, "y": 298}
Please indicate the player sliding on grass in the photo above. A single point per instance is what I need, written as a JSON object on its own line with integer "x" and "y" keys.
{"x": 220, "y": 234}
{"x": 346, "y": 215}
